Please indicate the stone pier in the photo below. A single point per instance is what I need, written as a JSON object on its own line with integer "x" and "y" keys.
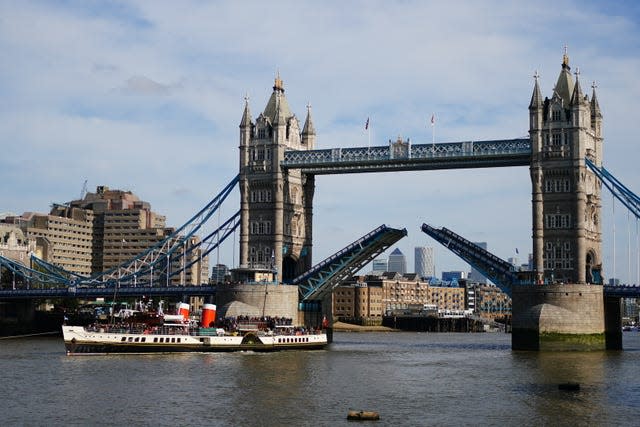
{"x": 563, "y": 317}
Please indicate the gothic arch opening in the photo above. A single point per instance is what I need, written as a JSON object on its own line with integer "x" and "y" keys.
{"x": 289, "y": 267}
{"x": 593, "y": 273}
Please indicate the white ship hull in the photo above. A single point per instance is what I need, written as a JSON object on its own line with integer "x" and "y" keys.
{"x": 80, "y": 340}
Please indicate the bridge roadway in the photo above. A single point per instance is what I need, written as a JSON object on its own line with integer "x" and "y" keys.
{"x": 95, "y": 292}
{"x": 620, "y": 291}
{"x": 404, "y": 156}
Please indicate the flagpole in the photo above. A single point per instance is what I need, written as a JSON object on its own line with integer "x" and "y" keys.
{"x": 433, "y": 133}
{"x": 366, "y": 127}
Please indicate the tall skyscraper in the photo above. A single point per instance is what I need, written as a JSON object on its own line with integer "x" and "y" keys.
{"x": 397, "y": 262}
{"x": 424, "y": 263}
{"x": 103, "y": 230}
{"x": 475, "y": 275}
{"x": 380, "y": 265}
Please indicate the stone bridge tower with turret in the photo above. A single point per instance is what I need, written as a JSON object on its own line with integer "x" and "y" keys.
{"x": 276, "y": 206}
{"x": 565, "y": 309}
{"x": 565, "y": 129}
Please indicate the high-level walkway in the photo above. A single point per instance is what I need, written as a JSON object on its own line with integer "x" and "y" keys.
{"x": 404, "y": 156}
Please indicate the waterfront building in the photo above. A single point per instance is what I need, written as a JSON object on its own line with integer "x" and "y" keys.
{"x": 397, "y": 262}
{"x": 491, "y": 302}
{"x": 219, "y": 273}
{"x": 103, "y": 230}
{"x": 424, "y": 263}
{"x": 453, "y": 276}
{"x": 358, "y": 300}
{"x": 64, "y": 237}
{"x": 373, "y": 296}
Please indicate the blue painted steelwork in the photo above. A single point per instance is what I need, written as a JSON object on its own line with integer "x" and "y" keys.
{"x": 105, "y": 291}
{"x": 497, "y": 270}
{"x": 622, "y": 291}
{"x": 32, "y": 277}
{"x": 48, "y": 279}
{"x": 628, "y": 198}
{"x": 155, "y": 258}
{"x": 500, "y": 271}
{"x": 403, "y": 156}
{"x": 322, "y": 278}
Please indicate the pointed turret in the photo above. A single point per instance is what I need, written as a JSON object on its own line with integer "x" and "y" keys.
{"x": 280, "y": 117}
{"x": 308, "y": 128}
{"x": 277, "y": 101}
{"x": 596, "y": 114}
{"x": 246, "y": 115}
{"x": 536, "y": 97}
{"x": 308, "y": 131}
{"x": 577, "y": 97}
{"x": 564, "y": 85}
{"x": 595, "y": 106}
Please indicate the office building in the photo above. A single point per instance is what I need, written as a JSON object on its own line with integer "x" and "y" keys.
{"x": 424, "y": 263}
{"x": 105, "y": 229}
{"x": 397, "y": 262}
{"x": 380, "y": 265}
{"x": 475, "y": 275}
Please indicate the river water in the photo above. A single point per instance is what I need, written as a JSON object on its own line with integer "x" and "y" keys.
{"x": 412, "y": 379}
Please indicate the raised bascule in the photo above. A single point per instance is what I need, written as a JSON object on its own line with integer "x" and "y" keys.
{"x": 560, "y": 305}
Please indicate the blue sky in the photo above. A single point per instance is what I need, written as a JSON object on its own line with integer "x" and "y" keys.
{"x": 147, "y": 96}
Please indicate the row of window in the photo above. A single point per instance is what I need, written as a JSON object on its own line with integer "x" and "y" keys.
{"x": 293, "y": 340}
{"x": 155, "y": 339}
{"x": 558, "y": 264}
{"x": 261, "y": 196}
{"x": 260, "y": 153}
{"x": 259, "y": 255}
{"x": 557, "y": 186}
{"x": 557, "y": 221}
{"x": 261, "y": 227}
{"x": 557, "y": 139}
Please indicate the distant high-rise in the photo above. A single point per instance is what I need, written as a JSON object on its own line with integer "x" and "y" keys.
{"x": 475, "y": 275}
{"x": 380, "y": 265}
{"x": 450, "y": 276}
{"x": 397, "y": 262}
{"x": 103, "y": 230}
{"x": 423, "y": 262}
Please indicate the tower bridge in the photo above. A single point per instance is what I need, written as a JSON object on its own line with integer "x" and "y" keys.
{"x": 560, "y": 304}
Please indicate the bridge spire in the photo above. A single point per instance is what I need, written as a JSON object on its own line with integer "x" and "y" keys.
{"x": 564, "y": 85}
{"x": 308, "y": 128}
{"x": 536, "y": 97}
{"x": 246, "y": 115}
{"x": 595, "y": 106}
{"x": 577, "y": 97}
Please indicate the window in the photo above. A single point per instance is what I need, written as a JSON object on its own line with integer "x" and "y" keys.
{"x": 555, "y": 115}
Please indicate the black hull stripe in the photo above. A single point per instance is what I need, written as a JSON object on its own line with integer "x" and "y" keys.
{"x": 93, "y": 348}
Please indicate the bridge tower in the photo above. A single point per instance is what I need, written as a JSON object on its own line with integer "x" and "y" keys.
{"x": 276, "y": 206}
{"x": 564, "y": 310}
{"x": 567, "y": 235}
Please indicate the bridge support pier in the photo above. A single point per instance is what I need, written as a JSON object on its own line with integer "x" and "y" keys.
{"x": 613, "y": 322}
{"x": 559, "y": 318}
{"x": 17, "y": 317}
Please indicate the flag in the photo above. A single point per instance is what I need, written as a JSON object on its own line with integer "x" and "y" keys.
{"x": 366, "y": 125}
{"x": 517, "y": 251}
{"x": 433, "y": 119}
